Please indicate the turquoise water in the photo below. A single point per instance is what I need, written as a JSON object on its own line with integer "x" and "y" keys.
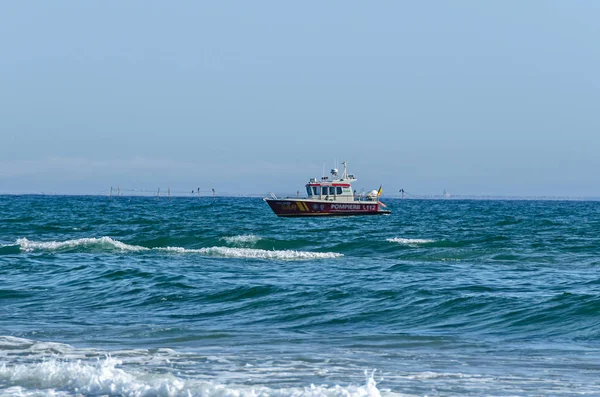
{"x": 157, "y": 297}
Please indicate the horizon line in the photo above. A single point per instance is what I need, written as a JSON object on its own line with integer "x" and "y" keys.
{"x": 205, "y": 194}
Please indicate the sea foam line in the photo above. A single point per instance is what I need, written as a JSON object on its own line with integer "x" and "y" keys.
{"x": 105, "y": 378}
{"x": 226, "y": 252}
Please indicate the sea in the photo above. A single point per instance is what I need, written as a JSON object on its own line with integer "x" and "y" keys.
{"x": 147, "y": 296}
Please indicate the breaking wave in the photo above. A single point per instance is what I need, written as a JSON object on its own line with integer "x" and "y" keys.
{"x": 245, "y": 239}
{"x": 225, "y": 252}
{"x": 102, "y": 242}
{"x": 104, "y": 377}
{"x": 41, "y": 370}
{"x": 410, "y": 241}
{"x": 228, "y": 252}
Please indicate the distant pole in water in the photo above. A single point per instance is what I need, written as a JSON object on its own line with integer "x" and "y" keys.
{"x": 169, "y": 193}
{"x": 402, "y": 191}
{"x": 297, "y": 193}
{"x": 118, "y": 191}
{"x": 213, "y": 195}
{"x": 111, "y": 192}
{"x": 198, "y": 192}
{"x": 158, "y": 193}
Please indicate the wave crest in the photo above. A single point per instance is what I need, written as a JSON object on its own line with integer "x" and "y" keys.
{"x": 105, "y": 378}
{"x": 410, "y": 241}
{"x": 228, "y": 252}
{"x": 224, "y": 252}
{"x": 102, "y": 242}
{"x": 244, "y": 239}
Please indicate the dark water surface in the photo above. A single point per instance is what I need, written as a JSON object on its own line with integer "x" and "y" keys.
{"x": 146, "y": 296}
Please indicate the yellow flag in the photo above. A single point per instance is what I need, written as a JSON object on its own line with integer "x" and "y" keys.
{"x": 379, "y": 191}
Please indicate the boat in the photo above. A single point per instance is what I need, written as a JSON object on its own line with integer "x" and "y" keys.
{"x": 329, "y": 197}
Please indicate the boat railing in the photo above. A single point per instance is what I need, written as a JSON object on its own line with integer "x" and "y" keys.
{"x": 364, "y": 198}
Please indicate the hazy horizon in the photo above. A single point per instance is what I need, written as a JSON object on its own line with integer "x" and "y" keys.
{"x": 477, "y": 99}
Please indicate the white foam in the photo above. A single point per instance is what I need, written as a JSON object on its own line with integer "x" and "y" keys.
{"x": 409, "y": 241}
{"x": 28, "y": 245}
{"x": 228, "y": 252}
{"x": 104, "y": 377}
{"x": 12, "y": 342}
{"x": 225, "y": 252}
{"x": 244, "y": 239}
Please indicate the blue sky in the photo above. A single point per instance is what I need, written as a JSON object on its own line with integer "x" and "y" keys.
{"x": 474, "y": 97}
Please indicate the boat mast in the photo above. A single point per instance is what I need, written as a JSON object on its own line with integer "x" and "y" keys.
{"x": 344, "y": 176}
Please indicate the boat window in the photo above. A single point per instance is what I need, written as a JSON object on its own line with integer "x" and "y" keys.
{"x": 308, "y": 191}
{"x": 316, "y": 190}
{"x": 339, "y": 190}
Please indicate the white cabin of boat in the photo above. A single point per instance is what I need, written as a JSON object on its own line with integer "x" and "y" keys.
{"x": 335, "y": 188}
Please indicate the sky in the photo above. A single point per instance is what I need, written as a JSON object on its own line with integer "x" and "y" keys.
{"x": 472, "y": 97}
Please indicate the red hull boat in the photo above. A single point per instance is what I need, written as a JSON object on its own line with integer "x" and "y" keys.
{"x": 327, "y": 197}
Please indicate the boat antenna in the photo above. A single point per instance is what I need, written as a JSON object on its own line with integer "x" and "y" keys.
{"x": 345, "y": 176}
